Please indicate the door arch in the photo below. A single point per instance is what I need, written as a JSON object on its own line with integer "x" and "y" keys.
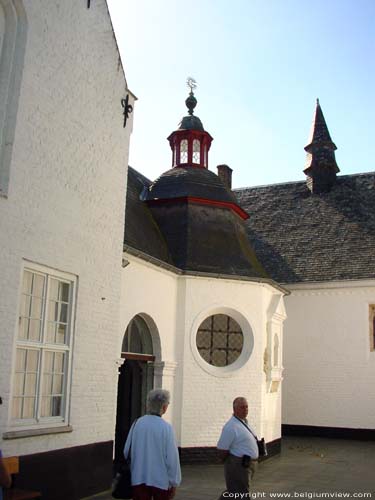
{"x": 136, "y": 376}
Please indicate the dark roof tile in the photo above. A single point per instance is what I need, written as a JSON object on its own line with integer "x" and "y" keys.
{"x": 300, "y": 237}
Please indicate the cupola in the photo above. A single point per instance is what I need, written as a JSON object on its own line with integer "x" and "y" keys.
{"x": 190, "y": 143}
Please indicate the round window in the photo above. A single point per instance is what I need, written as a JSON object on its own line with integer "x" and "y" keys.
{"x": 219, "y": 340}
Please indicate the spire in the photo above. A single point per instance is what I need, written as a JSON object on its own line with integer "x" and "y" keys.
{"x": 320, "y": 167}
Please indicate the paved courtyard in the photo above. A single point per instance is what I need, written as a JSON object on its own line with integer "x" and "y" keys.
{"x": 306, "y": 468}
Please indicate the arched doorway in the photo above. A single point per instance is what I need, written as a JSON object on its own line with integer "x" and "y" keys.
{"x": 136, "y": 378}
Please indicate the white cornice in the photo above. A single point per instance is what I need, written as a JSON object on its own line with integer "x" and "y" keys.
{"x": 330, "y": 285}
{"x": 153, "y": 261}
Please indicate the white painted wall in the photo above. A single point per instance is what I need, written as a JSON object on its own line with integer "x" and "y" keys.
{"x": 329, "y": 369}
{"x": 202, "y": 395}
{"x": 65, "y": 203}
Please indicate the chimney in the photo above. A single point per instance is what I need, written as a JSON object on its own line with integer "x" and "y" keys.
{"x": 225, "y": 174}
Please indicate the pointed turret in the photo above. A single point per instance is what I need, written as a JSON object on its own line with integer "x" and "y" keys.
{"x": 320, "y": 167}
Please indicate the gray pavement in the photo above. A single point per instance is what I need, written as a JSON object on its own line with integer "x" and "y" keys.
{"x": 306, "y": 468}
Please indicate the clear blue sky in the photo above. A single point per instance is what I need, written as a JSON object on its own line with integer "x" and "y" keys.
{"x": 260, "y": 65}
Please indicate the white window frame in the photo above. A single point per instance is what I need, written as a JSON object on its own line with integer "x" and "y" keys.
{"x": 42, "y": 346}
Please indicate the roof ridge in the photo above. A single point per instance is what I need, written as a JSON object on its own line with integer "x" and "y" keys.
{"x": 359, "y": 174}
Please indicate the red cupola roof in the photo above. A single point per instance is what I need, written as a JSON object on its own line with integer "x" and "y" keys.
{"x": 190, "y": 143}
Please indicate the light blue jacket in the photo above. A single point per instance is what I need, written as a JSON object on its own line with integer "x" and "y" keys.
{"x": 154, "y": 454}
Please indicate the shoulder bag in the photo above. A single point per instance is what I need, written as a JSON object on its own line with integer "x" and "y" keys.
{"x": 122, "y": 483}
{"x": 262, "y": 447}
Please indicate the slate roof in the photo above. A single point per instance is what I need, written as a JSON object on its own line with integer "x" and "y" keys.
{"x": 189, "y": 236}
{"x": 303, "y": 237}
{"x": 197, "y": 182}
{"x": 141, "y": 230}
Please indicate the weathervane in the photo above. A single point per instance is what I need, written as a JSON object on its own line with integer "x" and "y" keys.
{"x": 191, "y": 83}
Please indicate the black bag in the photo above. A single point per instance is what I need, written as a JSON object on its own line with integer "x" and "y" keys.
{"x": 122, "y": 483}
{"x": 262, "y": 447}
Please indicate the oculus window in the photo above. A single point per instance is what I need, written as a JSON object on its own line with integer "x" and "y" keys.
{"x": 219, "y": 340}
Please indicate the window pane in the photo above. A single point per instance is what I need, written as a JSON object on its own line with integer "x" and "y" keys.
{"x": 32, "y": 360}
{"x": 57, "y": 384}
{"x": 184, "y": 151}
{"x": 24, "y": 328}
{"x": 60, "y": 334}
{"x": 27, "y": 282}
{"x": 45, "y": 410}
{"x": 219, "y": 358}
{"x": 28, "y": 408}
{"x": 53, "y": 310}
{"x": 196, "y": 151}
{"x": 234, "y": 326}
{"x": 220, "y": 339}
{"x": 20, "y": 360}
{"x": 51, "y": 407}
{"x": 38, "y": 285}
{"x": 206, "y": 325}
{"x": 18, "y": 384}
{"x": 232, "y": 356}
{"x": 220, "y": 322}
{"x": 48, "y": 362}
{"x": 205, "y": 355}
{"x": 63, "y": 313}
{"x": 34, "y": 329}
{"x": 64, "y": 292}
{"x": 17, "y": 408}
{"x": 59, "y": 362}
{"x": 53, "y": 289}
{"x": 30, "y": 384}
{"x": 56, "y": 406}
{"x": 47, "y": 384}
{"x": 25, "y": 305}
{"x": 235, "y": 341}
{"x": 36, "y": 308}
{"x": 51, "y": 332}
{"x": 203, "y": 340}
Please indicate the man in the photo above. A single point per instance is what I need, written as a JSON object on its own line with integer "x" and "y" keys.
{"x": 238, "y": 449}
{"x": 155, "y": 464}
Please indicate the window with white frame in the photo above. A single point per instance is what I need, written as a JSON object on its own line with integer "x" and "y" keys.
{"x": 44, "y": 339}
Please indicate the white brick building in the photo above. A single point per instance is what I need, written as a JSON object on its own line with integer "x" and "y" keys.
{"x": 64, "y": 154}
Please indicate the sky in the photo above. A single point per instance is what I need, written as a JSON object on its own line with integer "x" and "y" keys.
{"x": 260, "y": 65}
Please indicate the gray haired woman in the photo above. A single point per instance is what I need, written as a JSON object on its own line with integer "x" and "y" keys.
{"x": 155, "y": 464}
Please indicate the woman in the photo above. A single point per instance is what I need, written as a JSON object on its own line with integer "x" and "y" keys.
{"x": 151, "y": 444}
